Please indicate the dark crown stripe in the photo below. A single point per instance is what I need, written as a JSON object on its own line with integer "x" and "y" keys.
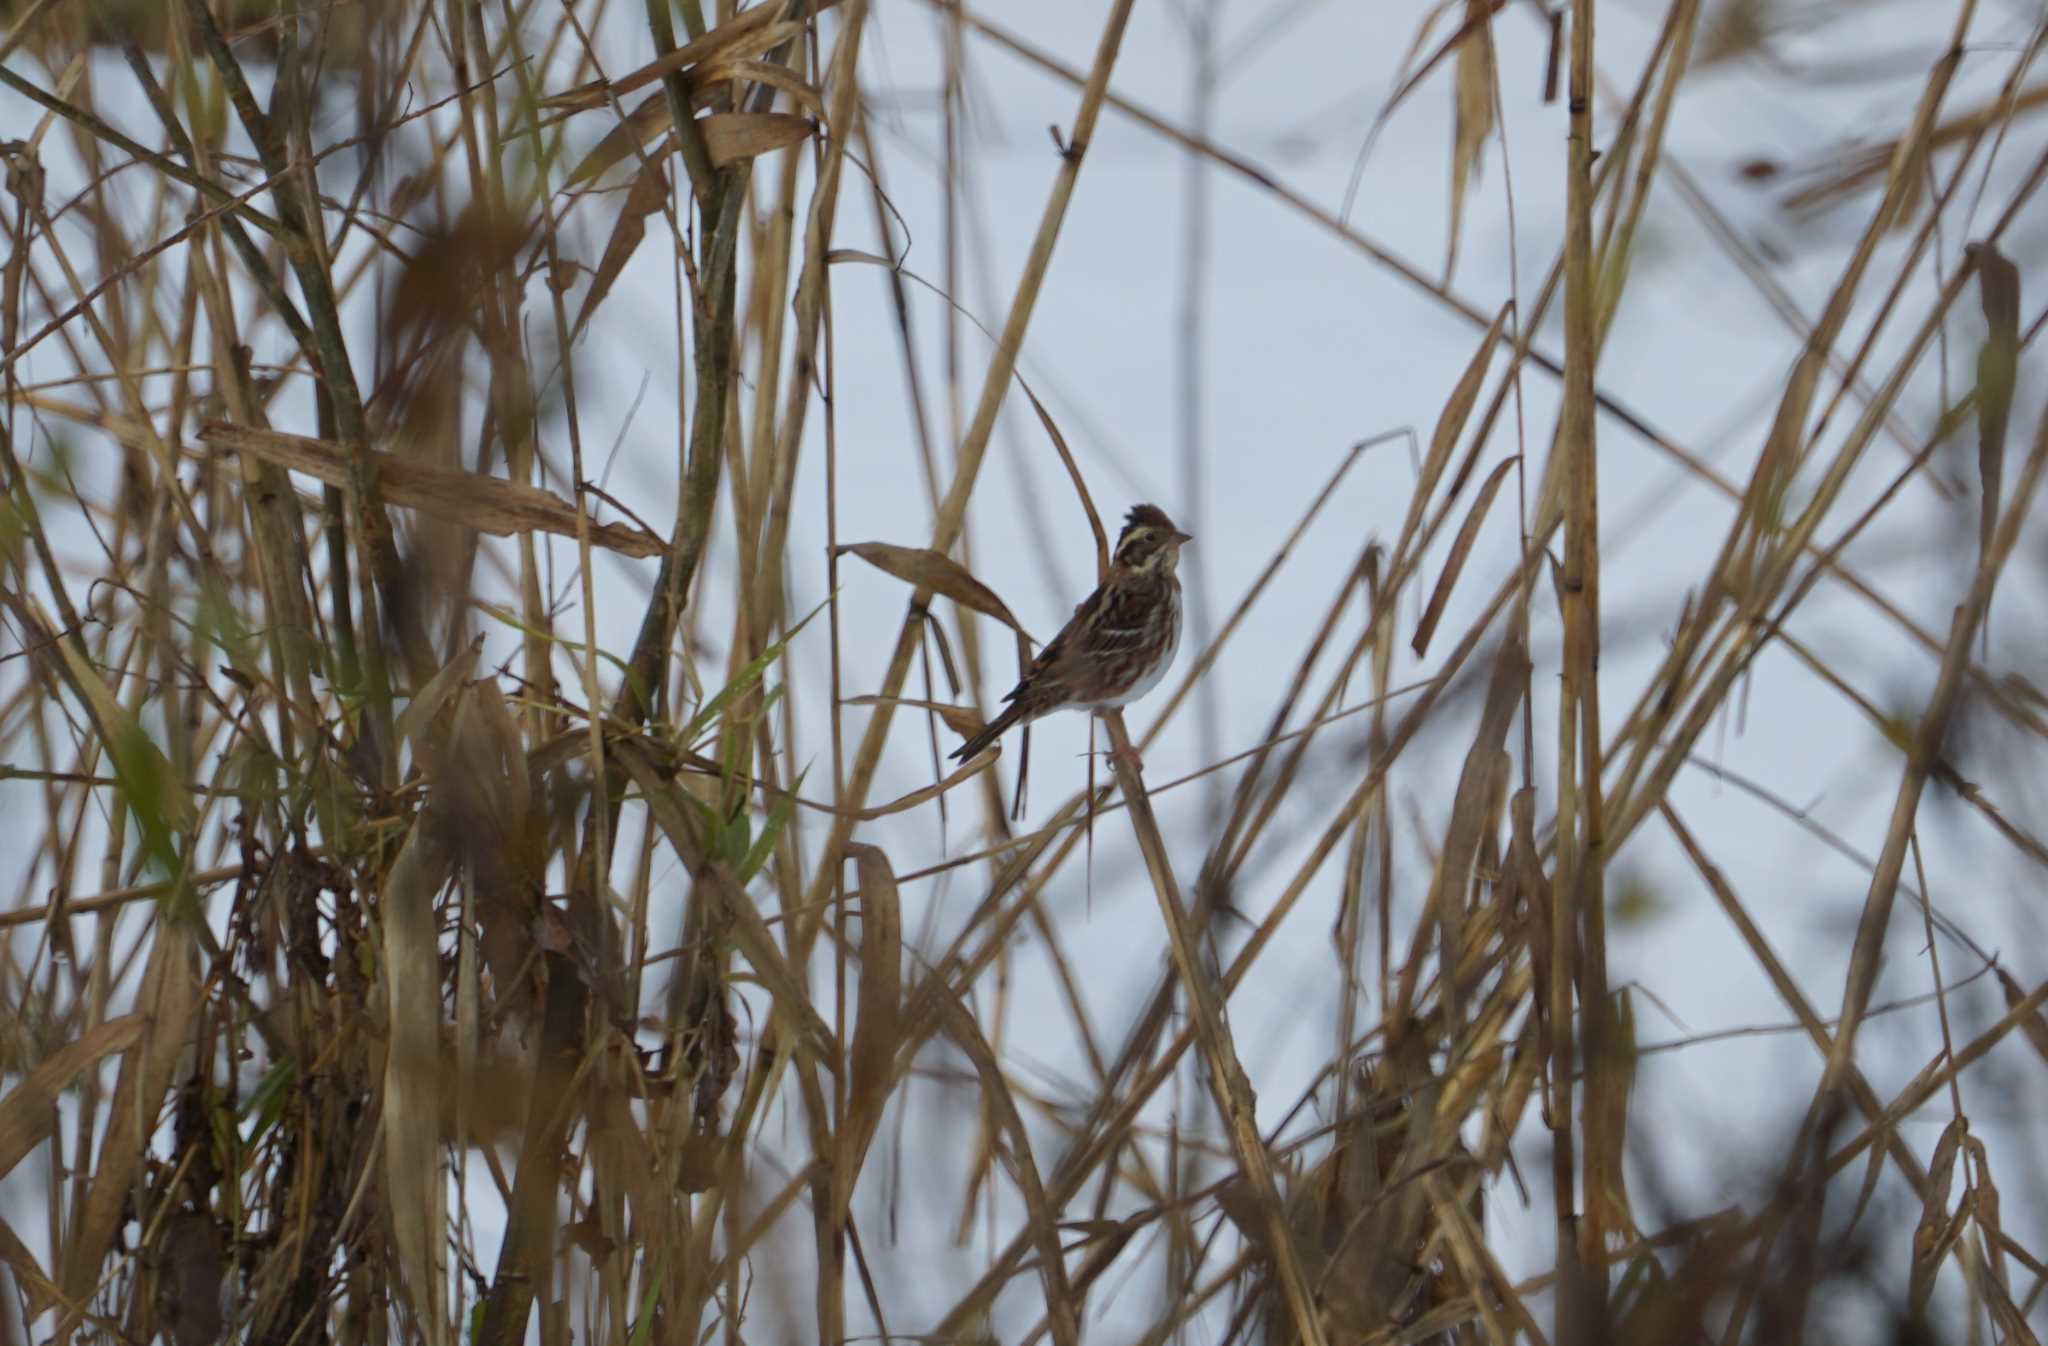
{"x": 1146, "y": 514}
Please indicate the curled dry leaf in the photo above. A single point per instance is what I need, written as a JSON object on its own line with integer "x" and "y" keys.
{"x": 938, "y": 572}
{"x": 1936, "y": 1230}
{"x": 488, "y": 504}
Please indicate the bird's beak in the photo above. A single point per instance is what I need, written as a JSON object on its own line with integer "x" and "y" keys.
{"x": 1181, "y": 539}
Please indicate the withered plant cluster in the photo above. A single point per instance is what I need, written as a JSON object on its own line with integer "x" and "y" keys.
{"x": 363, "y": 985}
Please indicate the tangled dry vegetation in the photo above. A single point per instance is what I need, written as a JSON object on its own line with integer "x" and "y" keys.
{"x": 363, "y": 989}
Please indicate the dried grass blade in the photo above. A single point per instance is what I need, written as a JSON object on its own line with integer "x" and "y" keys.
{"x": 2034, "y": 1025}
{"x": 1607, "y": 1096}
{"x": 732, "y": 137}
{"x": 488, "y": 504}
{"x": 1452, "y": 44}
{"x": 415, "y": 1193}
{"x": 29, "y": 1110}
{"x": 965, "y": 721}
{"x": 1936, "y": 1229}
{"x": 748, "y": 33}
{"x": 645, "y": 122}
{"x": 1473, "y": 83}
{"x": 924, "y": 568}
{"x": 1484, "y": 779}
{"x": 766, "y": 73}
{"x": 877, "y": 1031}
{"x": 1457, "y": 410}
{"x": 1059, "y": 445}
{"x": 167, "y": 1002}
{"x": 1062, "y": 1307}
{"x": 915, "y": 797}
{"x": 1461, "y": 551}
{"x": 1998, "y": 284}
{"x": 650, "y": 190}
{"x": 154, "y": 792}
{"x": 38, "y": 1291}
{"x": 748, "y": 931}
{"x": 427, "y": 702}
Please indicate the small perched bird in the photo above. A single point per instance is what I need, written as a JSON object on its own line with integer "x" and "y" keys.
{"x": 1119, "y": 643}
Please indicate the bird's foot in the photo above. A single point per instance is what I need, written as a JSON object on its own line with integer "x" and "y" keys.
{"x": 1120, "y": 757}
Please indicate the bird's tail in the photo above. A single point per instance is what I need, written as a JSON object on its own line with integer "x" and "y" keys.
{"x": 994, "y": 730}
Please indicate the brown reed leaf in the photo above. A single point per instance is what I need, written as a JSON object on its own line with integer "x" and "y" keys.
{"x": 1473, "y": 84}
{"x": 1461, "y": 551}
{"x": 919, "y": 796}
{"x": 1607, "y": 1096}
{"x": 29, "y": 1109}
{"x": 189, "y": 1284}
{"x": 488, "y": 504}
{"x": 39, "y": 1293}
{"x": 650, "y": 191}
{"x": 414, "y": 1197}
{"x": 1937, "y": 1230}
{"x": 1450, "y": 423}
{"x": 877, "y": 1029}
{"x": 1998, "y": 285}
{"x": 167, "y": 1002}
{"x": 747, "y": 930}
{"x": 924, "y": 568}
{"x": 746, "y": 34}
{"x": 2034, "y": 1025}
{"x": 640, "y": 127}
{"x": 965, "y": 721}
{"x": 733, "y": 137}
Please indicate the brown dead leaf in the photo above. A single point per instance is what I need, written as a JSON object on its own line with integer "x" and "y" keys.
{"x": 1473, "y": 85}
{"x": 1998, "y": 284}
{"x": 699, "y": 1162}
{"x": 916, "y": 797}
{"x": 923, "y": 568}
{"x": 650, "y": 190}
{"x": 648, "y": 119}
{"x": 877, "y": 1029}
{"x": 411, "y": 1113}
{"x": 1936, "y": 1230}
{"x": 488, "y": 504}
{"x": 1461, "y": 550}
{"x": 190, "y": 1283}
{"x": 30, "y": 1108}
{"x": 965, "y": 721}
{"x": 766, "y": 73}
{"x": 731, "y": 137}
{"x": 748, "y": 33}
{"x": 38, "y": 1291}
{"x": 2034, "y": 1025}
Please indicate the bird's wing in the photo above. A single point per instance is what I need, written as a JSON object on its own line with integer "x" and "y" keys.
{"x": 1044, "y": 674}
{"x": 1127, "y": 613}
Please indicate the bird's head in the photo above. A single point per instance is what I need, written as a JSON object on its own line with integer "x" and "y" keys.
{"x": 1150, "y": 544}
